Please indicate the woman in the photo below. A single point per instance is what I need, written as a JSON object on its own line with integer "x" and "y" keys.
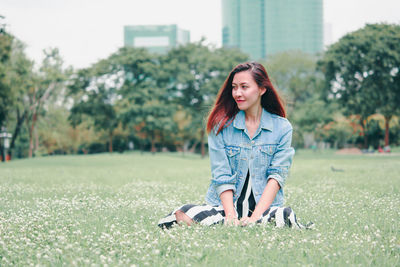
{"x": 250, "y": 151}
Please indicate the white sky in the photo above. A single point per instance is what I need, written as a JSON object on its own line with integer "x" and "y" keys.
{"x": 88, "y": 30}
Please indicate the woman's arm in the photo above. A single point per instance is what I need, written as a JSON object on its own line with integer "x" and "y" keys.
{"x": 270, "y": 191}
{"x": 276, "y": 173}
{"x": 227, "y": 202}
{"x": 222, "y": 177}
{"x": 282, "y": 158}
{"x": 266, "y": 199}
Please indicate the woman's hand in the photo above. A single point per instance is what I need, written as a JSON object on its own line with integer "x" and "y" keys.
{"x": 248, "y": 221}
{"x": 267, "y": 197}
{"x": 231, "y": 221}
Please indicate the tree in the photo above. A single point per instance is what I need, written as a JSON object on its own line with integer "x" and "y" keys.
{"x": 55, "y": 131}
{"x": 47, "y": 82}
{"x": 6, "y": 41}
{"x": 362, "y": 72}
{"x": 127, "y": 88}
{"x": 95, "y": 92}
{"x": 5, "y": 92}
{"x": 294, "y": 73}
{"x": 295, "y": 76}
{"x": 20, "y": 78}
{"x": 144, "y": 100}
{"x": 16, "y": 76}
{"x": 197, "y": 72}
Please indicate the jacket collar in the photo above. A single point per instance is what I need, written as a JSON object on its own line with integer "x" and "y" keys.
{"x": 265, "y": 123}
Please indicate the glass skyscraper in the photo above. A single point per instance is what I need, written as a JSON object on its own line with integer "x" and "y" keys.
{"x": 264, "y": 27}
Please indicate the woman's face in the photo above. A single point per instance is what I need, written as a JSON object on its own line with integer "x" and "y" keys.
{"x": 246, "y": 92}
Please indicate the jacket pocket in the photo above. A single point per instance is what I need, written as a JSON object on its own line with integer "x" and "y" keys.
{"x": 266, "y": 155}
{"x": 268, "y": 149}
{"x": 233, "y": 154}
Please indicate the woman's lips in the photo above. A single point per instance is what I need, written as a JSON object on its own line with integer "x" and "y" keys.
{"x": 239, "y": 101}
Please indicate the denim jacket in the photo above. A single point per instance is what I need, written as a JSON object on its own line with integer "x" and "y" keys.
{"x": 233, "y": 153}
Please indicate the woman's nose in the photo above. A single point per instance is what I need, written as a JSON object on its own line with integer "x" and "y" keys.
{"x": 238, "y": 92}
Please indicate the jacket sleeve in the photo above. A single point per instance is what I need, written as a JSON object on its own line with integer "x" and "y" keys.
{"x": 282, "y": 158}
{"x": 222, "y": 177}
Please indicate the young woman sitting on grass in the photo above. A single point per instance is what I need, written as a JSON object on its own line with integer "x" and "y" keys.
{"x": 250, "y": 151}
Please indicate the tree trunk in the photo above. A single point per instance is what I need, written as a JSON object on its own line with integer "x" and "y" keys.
{"x": 203, "y": 151}
{"x": 110, "y": 139}
{"x": 364, "y": 128}
{"x": 3, "y": 156}
{"x": 153, "y": 144}
{"x": 18, "y": 126}
{"x": 31, "y": 129}
{"x": 193, "y": 148}
{"x": 36, "y": 146}
{"x": 387, "y": 120}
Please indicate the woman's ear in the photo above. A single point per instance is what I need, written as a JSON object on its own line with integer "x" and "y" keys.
{"x": 263, "y": 90}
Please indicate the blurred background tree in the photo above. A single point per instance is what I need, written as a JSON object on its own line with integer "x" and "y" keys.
{"x": 196, "y": 74}
{"x": 145, "y": 109}
{"x": 47, "y": 84}
{"x": 6, "y": 41}
{"x": 95, "y": 93}
{"x": 347, "y": 96}
{"x": 20, "y": 80}
{"x": 362, "y": 74}
{"x": 294, "y": 74}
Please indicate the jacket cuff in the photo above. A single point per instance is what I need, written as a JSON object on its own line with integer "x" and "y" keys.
{"x": 278, "y": 178}
{"x": 224, "y": 187}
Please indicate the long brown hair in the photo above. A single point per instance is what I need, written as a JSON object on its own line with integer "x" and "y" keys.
{"x": 225, "y": 107}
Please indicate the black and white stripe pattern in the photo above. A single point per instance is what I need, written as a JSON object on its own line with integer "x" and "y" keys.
{"x": 203, "y": 214}
{"x": 208, "y": 215}
{"x": 246, "y": 202}
{"x": 283, "y": 216}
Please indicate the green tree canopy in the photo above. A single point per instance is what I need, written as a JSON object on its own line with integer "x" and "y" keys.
{"x": 196, "y": 74}
{"x": 294, "y": 73}
{"x": 6, "y": 41}
{"x": 145, "y": 105}
{"x": 362, "y": 72}
{"x": 297, "y": 80}
{"x": 20, "y": 79}
{"x": 95, "y": 92}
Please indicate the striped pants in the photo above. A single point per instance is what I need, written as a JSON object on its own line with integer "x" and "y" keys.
{"x": 209, "y": 215}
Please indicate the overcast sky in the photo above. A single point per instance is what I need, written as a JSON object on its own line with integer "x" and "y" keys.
{"x": 88, "y": 30}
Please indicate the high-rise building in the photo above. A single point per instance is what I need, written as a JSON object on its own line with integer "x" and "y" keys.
{"x": 264, "y": 27}
{"x": 156, "y": 38}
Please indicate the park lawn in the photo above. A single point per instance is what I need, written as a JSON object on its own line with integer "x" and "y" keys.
{"x": 103, "y": 210}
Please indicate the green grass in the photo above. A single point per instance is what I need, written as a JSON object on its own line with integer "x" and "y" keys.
{"x": 103, "y": 210}
{"x": 395, "y": 149}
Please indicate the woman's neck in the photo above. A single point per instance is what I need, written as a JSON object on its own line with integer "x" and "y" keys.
{"x": 253, "y": 116}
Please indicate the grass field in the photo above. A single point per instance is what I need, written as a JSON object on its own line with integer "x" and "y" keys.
{"x": 103, "y": 210}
